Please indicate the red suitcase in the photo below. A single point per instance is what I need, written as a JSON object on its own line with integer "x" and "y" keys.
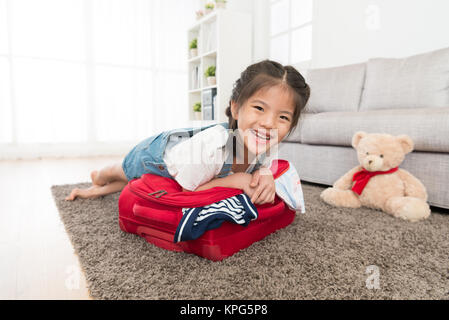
{"x": 151, "y": 207}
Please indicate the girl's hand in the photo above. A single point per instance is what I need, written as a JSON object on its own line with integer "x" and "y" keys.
{"x": 265, "y": 189}
{"x": 238, "y": 180}
{"x": 244, "y": 183}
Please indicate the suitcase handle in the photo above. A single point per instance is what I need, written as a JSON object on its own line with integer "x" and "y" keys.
{"x": 155, "y": 215}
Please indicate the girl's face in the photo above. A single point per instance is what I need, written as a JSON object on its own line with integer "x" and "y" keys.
{"x": 265, "y": 118}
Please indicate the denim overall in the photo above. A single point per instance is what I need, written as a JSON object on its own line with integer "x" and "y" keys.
{"x": 147, "y": 156}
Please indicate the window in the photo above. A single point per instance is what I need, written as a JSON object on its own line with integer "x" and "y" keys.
{"x": 91, "y": 71}
{"x": 291, "y": 30}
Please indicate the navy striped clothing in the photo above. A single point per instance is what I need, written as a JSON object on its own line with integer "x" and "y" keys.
{"x": 195, "y": 221}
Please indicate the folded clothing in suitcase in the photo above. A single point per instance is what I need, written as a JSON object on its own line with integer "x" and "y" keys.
{"x": 152, "y": 207}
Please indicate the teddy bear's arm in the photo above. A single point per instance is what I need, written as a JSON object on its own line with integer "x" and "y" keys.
{"x": 413, "y": 187}
{"x": 345, "y": 181}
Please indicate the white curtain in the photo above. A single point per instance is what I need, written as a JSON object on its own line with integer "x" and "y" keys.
{"x": 80, "y": 77}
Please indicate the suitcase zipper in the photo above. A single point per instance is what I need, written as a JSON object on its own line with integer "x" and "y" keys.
{"x": 169, "y": 202}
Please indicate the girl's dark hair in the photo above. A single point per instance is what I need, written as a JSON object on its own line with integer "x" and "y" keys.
{"x": 264, "y": 74}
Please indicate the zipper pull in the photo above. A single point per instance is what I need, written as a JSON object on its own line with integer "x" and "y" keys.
{"x": 158, "y": 194}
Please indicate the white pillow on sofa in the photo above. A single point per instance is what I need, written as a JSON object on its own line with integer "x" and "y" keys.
{"x": 335, "y": 89}
{"x": 420, "y": 81}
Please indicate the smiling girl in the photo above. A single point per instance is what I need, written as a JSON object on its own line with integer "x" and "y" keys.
{"x": 264, "y": 108}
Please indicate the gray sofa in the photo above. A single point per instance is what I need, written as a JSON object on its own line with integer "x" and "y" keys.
{"x": 397, "y": 96}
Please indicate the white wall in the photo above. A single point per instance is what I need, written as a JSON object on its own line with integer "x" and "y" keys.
{"x": 261, "y": 29}
{"x": 261, "y": 23}
{"x": 261, "y": 26}
{"x": 351, "y": 31}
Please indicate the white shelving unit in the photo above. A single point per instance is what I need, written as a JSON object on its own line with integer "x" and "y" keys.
{"x": 224, "y": 40}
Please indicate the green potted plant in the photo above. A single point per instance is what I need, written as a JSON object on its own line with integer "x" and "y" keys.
{"x": 220, "y": 4}
{"x": 210, "y": 75}
{"x": 193, "y": 48}
{"x": 197, "y": 111}
{"x": 209, "y": 7}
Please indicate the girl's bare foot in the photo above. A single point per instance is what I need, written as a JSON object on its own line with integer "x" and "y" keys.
{"x": 97, "y": 191}
{"x": 89, "y": 193}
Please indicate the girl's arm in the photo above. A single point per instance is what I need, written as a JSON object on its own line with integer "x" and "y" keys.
{"x": 246, "y": 182}
{"x": 239, "y": 180}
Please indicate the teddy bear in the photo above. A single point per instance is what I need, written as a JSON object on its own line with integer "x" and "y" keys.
{"x": 377, "y": 182}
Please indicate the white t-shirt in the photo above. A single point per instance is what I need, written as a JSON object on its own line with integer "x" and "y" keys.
{"x": 197, "y": 160}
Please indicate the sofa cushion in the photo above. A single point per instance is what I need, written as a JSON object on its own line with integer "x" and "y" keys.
{"x": 429, "y": 128}
{"x": 420, "y": 81}
{"x": 335, "y": 89}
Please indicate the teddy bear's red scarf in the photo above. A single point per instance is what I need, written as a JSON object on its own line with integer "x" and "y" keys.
{"x": 361, "y": 178}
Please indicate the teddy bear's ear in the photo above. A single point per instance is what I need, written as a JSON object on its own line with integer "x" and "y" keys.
{"x": 357, "y": 137}
{"x": 406, "y": 143}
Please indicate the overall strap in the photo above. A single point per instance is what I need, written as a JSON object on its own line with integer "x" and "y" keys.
{"x": 225, "y": 170}
{"x": 179, "y": 134}
{"x": 227, "y": 165}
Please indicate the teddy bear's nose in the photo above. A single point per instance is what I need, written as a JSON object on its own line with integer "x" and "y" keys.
{"x": 370, "y": 161}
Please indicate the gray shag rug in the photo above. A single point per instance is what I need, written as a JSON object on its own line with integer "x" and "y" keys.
{"x": 326, "y": 253}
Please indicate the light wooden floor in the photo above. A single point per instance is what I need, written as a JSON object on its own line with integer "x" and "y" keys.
{"x": 37, "y": 260}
